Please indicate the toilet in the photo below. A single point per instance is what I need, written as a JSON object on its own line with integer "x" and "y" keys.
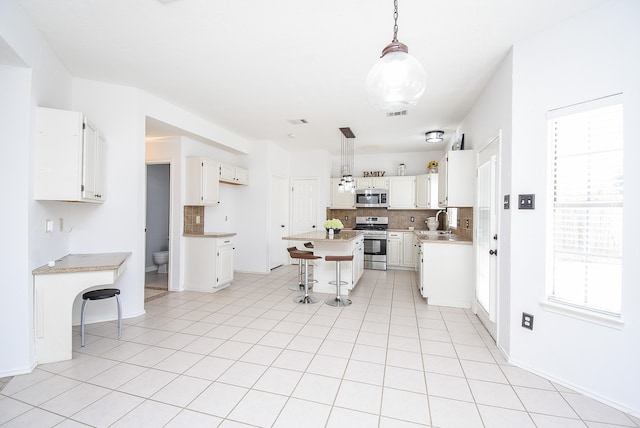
{"x": 161, "y": 258}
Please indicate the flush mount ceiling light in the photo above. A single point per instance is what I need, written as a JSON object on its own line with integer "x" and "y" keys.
{"x": 434, "y": 136}
{"x": 397, "y": 81}
{"x": 346, "y": 164}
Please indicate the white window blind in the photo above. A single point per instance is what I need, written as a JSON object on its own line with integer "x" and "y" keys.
{"x": 587, "y": 205}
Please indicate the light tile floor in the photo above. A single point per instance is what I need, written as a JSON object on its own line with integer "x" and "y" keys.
{"x": 248, "y": 356}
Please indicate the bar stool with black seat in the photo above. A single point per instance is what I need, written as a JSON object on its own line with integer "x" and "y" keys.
{"x": 301, "y": 270}
{"x": 337, "y": 300}
{"x": 306, "y": 298}
{"x": 105, "y": 293}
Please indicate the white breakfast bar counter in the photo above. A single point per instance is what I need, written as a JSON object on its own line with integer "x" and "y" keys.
{"x": 345, "y": 243}
{"x": 55, "y": 289}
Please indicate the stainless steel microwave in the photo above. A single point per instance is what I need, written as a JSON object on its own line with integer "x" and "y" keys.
{"x": 372, "y": 198}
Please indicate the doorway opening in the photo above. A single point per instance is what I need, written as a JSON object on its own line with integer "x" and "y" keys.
{"x": 157, "y": 230}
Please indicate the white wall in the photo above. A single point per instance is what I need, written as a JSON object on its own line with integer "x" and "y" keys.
{"x": 25, "y": 245}
{"x": 489, "y": 116}
{"x": 591, "y": 56}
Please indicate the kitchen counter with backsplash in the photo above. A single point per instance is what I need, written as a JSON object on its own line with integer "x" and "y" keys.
{"x": 209, "y": 235}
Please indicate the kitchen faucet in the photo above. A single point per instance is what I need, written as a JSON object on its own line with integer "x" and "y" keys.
{"x": 446, "y": 224}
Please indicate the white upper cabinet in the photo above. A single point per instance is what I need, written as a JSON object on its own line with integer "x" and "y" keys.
{"x": 456, "y": 179}
{"x": 427, "y": 191}
{"x": 341, "y": 200}
{"x": 372, "y": 182}
{"x": 233, "y": 174}
{"x": 402, "y": 192}
{"x": 201, "y": 181}
{"x": 69, "y": 158}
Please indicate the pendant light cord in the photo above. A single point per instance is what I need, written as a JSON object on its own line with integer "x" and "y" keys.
{"x": 395, "y": 21}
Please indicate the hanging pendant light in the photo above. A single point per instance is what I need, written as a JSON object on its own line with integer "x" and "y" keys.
{"x": 397, "y": 81}
{"x": 347, "y": 183}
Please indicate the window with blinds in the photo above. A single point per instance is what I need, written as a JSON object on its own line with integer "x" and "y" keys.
{"x": 586, "y": 257}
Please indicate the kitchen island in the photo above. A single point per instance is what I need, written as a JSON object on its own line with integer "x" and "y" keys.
{"x": 345, "y": 243}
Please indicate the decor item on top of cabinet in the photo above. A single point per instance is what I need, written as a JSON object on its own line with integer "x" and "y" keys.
{"x": 334, "y": 225}
{"x": 432, "y": 166}
{"x": 373, "y": 173}
{"x": 459, "y": 144}
{"x": 402, "y": 168}
{"x": 70, "y": 158}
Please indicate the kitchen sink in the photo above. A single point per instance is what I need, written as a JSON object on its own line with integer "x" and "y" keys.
{"x": 433, "y": 232}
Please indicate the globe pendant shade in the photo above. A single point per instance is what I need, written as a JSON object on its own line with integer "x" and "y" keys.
{"x": 397, "y": 81}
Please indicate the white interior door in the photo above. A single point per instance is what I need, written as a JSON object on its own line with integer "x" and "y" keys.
{"x": 304, "y": 215}
{"x": 279, "y": 221}
{"x": 486, "y": 219}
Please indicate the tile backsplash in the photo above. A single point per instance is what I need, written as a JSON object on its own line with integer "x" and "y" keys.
{"x": 401, "y": 219}
{"x": 190, "y": 220}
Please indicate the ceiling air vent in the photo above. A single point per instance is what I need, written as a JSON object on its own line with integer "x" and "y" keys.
{"x": 397, "y": 113}
{"x": 298, "y": 121}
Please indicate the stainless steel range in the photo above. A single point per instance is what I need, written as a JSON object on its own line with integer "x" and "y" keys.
{"x": 375, "y": 241}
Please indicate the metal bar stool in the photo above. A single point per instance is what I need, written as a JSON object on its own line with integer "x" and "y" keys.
{"x": 306, "y": 298}
{"x": 301, "y": 269}
{"x": 105, "y": 293}
{"x": 337, "y": 300}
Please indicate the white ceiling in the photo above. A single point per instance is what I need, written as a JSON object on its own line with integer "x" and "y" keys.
{"x": 251, "y": 66}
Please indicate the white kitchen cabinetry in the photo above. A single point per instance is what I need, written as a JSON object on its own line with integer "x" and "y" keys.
{"x": 456, "y": 179}
{"x": 394, "y": 248}
{"x": 201, "y": 182}
{"x": 357, "y": 268}
{"x": 69, "y": 158}
{"x": 447, "y": 274}
{"x": 408, "y": 250}
{"x": 427, "y": 191}
{"x": 372, "y": 182}
{"x": 341, "y": 200}
{"x": 233, "y": 174}
{"x": 402, "y": 192}
{"x": 401, "y": 249}
{"x": 208, "y": 263}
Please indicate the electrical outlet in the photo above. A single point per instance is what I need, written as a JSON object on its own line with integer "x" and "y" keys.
{"x": 346, "y": 218}
{"x": 527, "y": 321}
{"x": 527, "y": 202}
{"x": 506, "y": 202}
{"x": 48, "y": 226}
{"x": 413, "y": 219}
{"x": 197, "y": 219}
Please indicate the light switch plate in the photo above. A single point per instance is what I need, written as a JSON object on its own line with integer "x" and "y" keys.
{"x": 527, "y": 202}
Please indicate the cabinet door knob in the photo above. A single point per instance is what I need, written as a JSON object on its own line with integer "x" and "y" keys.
{"x": 493, "y": 252}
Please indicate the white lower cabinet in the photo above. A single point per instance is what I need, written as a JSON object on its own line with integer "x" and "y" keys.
{"x": 401, "y": 249}
{"x": 446, "y": 274}
{"x": 357, "y": 268}
{"x": 208, "y": 263}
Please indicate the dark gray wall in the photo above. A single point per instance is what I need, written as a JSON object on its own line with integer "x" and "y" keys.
{"x": 158, "y": 182}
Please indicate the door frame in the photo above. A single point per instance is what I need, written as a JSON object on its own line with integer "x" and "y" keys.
{"x": 478, "y": 309}
{"x": 285, "y": 231}
{"x": 174, "y": 260}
